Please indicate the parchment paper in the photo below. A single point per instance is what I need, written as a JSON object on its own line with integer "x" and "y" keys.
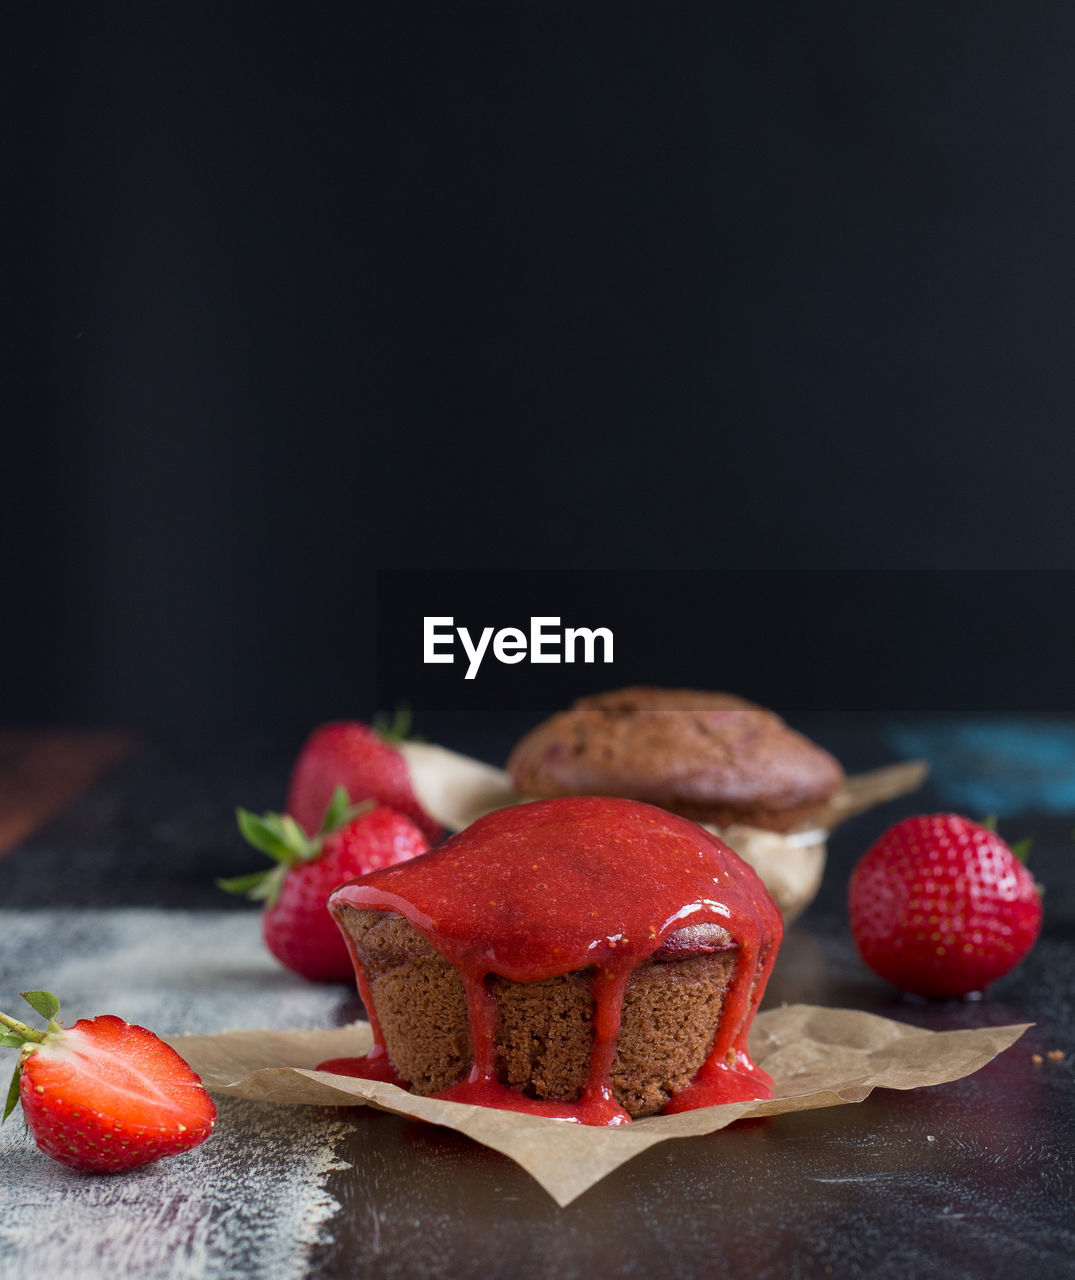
{"x": 817, "y": 1058}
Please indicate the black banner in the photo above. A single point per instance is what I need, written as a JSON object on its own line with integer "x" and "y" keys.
{"x": 811, "y": 642}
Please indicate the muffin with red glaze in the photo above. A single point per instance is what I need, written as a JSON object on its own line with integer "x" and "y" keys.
{"x": 588, "y": 958}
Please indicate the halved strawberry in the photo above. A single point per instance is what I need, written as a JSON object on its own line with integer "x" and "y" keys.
{"x": 104, "y": 1095}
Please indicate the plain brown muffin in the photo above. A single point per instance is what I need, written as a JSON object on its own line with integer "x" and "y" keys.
{"x": 712, "y": 757}
{"x": 544, "y": 1032}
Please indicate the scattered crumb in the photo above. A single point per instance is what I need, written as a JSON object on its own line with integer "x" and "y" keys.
{"x": 930, "y": 1137}
{"x": 1055, "y": 1055}
{"x": 1036, "y": 1059}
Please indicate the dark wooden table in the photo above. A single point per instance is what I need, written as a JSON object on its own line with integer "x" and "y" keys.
{"x": 109, "y": 896}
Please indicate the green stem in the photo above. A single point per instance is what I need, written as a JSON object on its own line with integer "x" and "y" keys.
{"x": 21, "y": 1029}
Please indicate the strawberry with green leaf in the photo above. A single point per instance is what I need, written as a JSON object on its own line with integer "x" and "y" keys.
{"x": 349, "y": 841}
{"x": 364, "y": 760}
{"x": 104, "y": 1095}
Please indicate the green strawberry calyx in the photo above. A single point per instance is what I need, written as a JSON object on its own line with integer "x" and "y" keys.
{"x": 396, "y": 730}
{"x": 280, "y": 837}
{"x": 1020, "y": 849}
{"x": 19, "y": 1035}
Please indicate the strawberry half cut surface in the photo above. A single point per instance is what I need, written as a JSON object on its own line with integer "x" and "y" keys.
{"x": 104, "y": 1095}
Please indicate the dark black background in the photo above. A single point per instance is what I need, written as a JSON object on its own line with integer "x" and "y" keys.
{"x": 294, "y": 294}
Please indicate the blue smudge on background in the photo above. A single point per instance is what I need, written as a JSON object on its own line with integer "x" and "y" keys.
{"x": 982, "y": 767}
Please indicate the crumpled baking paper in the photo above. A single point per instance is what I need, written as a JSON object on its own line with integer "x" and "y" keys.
{"x": 817, "y": 1058}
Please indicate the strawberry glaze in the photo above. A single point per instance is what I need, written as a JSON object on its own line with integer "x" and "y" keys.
{"x": 543, "y": 889}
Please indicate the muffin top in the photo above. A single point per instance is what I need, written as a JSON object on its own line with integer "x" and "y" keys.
{"x": 712, "y": 757}
{"x": 537, "y": 890}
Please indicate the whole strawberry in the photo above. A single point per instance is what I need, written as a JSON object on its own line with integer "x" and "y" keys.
{"x": 351, "y": 840}
{"x": 941, "y": 906}
{"x": 104, "y": 1095}
{"x": 364, "y": 761}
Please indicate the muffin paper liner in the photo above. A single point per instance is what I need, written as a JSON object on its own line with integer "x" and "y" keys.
{"x": 817, "y": 1058}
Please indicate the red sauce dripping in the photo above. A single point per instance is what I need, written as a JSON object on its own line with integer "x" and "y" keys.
{"x": 543, "y": 889}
